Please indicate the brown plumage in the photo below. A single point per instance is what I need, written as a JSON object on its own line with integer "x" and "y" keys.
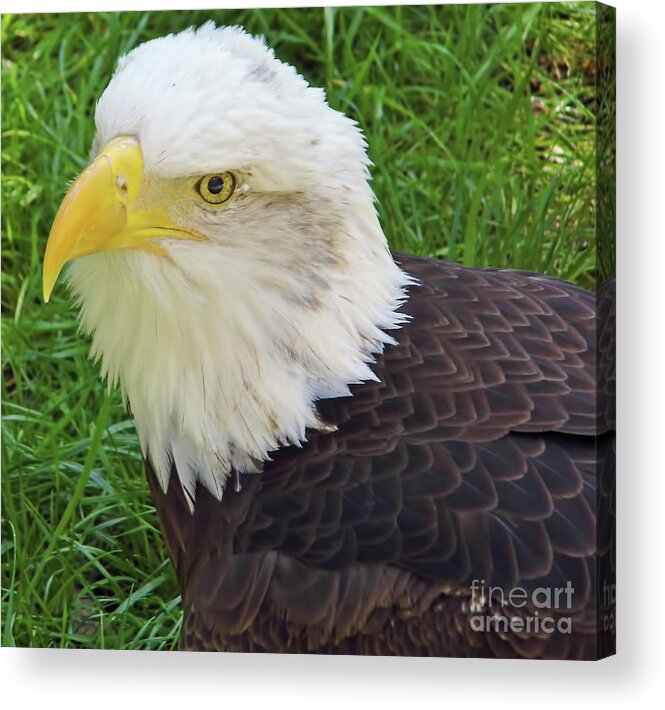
{"x": 484, "y": 452}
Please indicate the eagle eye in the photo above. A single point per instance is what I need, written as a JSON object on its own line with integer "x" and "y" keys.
{"x": 217, "y": 188}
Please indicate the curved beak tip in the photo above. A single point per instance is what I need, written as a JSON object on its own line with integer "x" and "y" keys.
{"x": 51, "y": 270}
{"x": 46, "y": 291}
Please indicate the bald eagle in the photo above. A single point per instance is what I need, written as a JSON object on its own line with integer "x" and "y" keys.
{"x": 349, "y": 450}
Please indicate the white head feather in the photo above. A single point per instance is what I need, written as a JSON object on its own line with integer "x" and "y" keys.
{"x": 223, "y": 347}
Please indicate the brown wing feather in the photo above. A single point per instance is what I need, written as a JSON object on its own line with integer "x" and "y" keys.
{"x": 473, "y": 457}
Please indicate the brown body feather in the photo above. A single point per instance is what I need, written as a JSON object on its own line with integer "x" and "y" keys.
{"x": 484, "y": 451}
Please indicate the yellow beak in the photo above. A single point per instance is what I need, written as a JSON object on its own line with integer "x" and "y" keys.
{"x": 99, "y": 212}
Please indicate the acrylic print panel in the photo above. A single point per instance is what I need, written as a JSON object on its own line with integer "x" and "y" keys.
{"x": 310, "y": 443}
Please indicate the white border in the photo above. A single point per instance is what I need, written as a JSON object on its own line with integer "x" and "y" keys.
{"x": 26, "y": 6}
{"x": 72, "y": 679}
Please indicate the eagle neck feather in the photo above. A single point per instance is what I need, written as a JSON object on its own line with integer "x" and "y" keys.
{"x": 220, "y": 371}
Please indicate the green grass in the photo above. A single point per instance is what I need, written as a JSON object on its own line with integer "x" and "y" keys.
{"x": 480, "y": 122}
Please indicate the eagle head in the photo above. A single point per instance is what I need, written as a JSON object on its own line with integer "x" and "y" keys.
{"x": 226, "y": 253}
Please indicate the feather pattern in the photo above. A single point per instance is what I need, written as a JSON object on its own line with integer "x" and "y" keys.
{"x": 475, "y": 455}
